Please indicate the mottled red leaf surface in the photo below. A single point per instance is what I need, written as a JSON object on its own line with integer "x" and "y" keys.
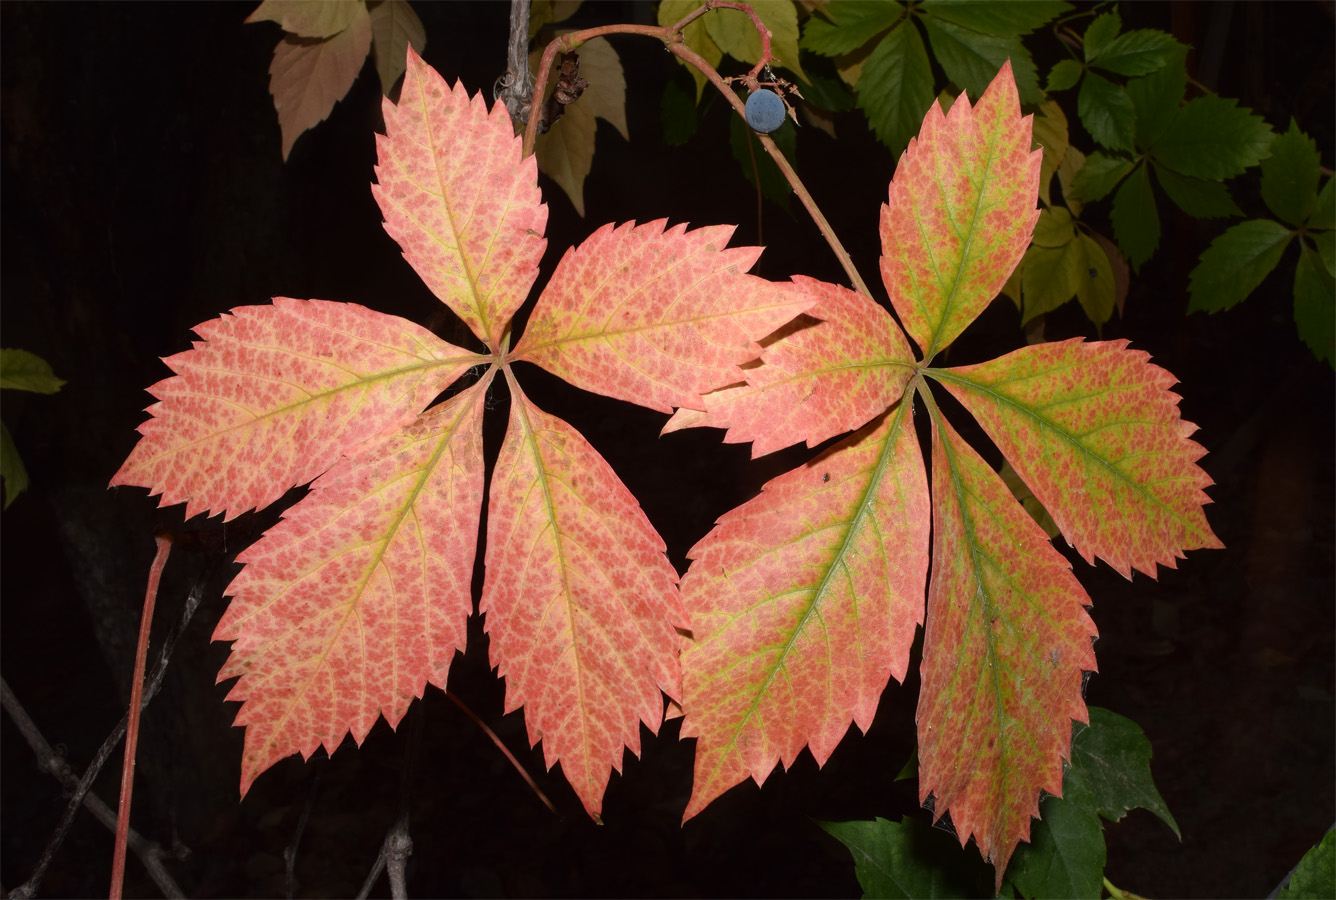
{"x": 274, "y": 395}
{"x": 580, "y": 602}
{"x": 655, "y": 316}
{"x": 1095, "y": 433}
{"x": 458, "y": 199}
{"x": 309, "y": 75}
{"x": 960, "y": 213}
{"x": 1006, "y": 640}
{"x": 815, "y": 381}
{"x": 347, "y": 608}
{"x": 804, "y": 602}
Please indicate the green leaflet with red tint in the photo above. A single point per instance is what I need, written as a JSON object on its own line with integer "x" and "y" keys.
{"x": 803, "y": 602}
{"x": 818, "y": 380}
{"x": 653, "y": 316}
{"x": 459, "y": 200}
{"x": 359, "y": 597}
{"x": 580, "y": 601}
{"x": 1006, "y": 640}
{"x": 274, "y": 395}
{"x": 960, "y": 213}
{"x": 1095, "y": 433}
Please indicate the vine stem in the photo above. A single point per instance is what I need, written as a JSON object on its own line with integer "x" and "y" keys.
{"x": 671, "y": 36}
{"x": 132, "y": 724}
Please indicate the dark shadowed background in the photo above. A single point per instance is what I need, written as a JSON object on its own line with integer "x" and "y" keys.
{"x": 143, "y": 192}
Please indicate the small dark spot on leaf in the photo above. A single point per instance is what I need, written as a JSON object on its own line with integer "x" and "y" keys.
{"x": 825, "y": 477}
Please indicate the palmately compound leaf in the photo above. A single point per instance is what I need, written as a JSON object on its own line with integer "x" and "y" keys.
{"x": 804, "y": 602}
{"x": 357, "y": 599}
{"x": 274, "y": 395}
{"x": 960, "y": 213}
{"x": 1006, "y": 641}
{"x": 655, "y": 316}
{"x": 459, "y": 200}
{"x": 580, "y": 601}
{"x": 1095, "y": 432}
{"x": 816, "y": 381}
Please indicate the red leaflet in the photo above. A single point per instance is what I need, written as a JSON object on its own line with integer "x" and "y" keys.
{"x": 274, "y": 395}
{"x": 359, "y": 597}
{"x": 581, "y": 603}
{"x": 655, "y": 317}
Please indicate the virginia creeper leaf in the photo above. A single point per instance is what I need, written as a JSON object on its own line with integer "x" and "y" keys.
{"x": 1099, "y": 176}
{"x": 309, "y": 75}
{"x": 804, "y": 601}
{"x": 1006, "y": 641}
{"x": 1157, "y": 96}
{"x": 274, "y": 395}
{"x": 909, "y": 860}
{"x": 1065, "y": 856}
{"x": 1106, "y": 112}
{"x": 21, "y": 370}
{"x": 459, "y": 200}
{"x": 654, "y": 316}
{"x": 1290, "y": 175}
{"x": 1097, "y": 286}
{"x": 1197, "y": 197}
{"x": 309, "y": 18}
{"x": 735, "y": 33}
{"x": 694, "y": 36}
{"x": 394, "y": 28}
{"x": 895, "y": 86}
{"x": 580, "y": 601}
{"x": 359, "y": 597}
{"x": 1064, "y": 75}
{"x": 1236, "y": 263}
{"x": 13, "y": 472}
{"x": 1095, "y": 432}
{"x": 1213, "y": 138}
{"x": 1101, "y": 31}
{"x": 848, "y": 25}
{"x": 1315, "y": 874}
{"x": 1324, "y": 208}
{"x": 1136, "y": 222}
{"x": 960, "y": 213}
{"x": 815, "y": 382}
{"x": 1315, "y": 305}
{"x": 1050, "y": 134}
{"x": 971, "y": 59}
{"x": 991, "y": 17}
{"x": 1138, "y": 52}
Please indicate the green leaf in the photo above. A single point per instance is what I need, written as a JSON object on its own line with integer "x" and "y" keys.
{"x": 992, "y": 17}
{"x": 677, "y": 112}
{"x": 1315, "y": 876}
{"x": 1064, "y": 74}
{"x": 1048, "y": 278}
{"x": 1099, "y": 176}
{"x": 908, "y": 859}
{"x": 1107, "y": 113}
{"x": 694, "y": 36}
{"x": 1156, "y": 97}
{"x": 736, "y": 34}
{"x": 1196, "y": 197}
{"x": 1326, "y": 248}
{"x": 971, "y": 59}
{"x": 1213, "y": 138}
{"x": 1315, "y": 305}
{"x": 1137, "y": 52}
{"x": 895, "y": 89}
{"x": 1136, "y": 224}
{"x": 12, "y": 470}
{"x": 1290, "y": 175}
{"x": 24, "y": 371}
{"x": 1236, "y": 263}
{"x": 774, "y": 186}
{"x": 827, "y": 93}
{"x": 1065, "y": 856}
{"x": 852, "y": 23}
{"x": 1101, "y": 31}
{"x": 1324, "y": 209}
{"x": 1110, "y": 770}
{"x": 1096, "y": 289}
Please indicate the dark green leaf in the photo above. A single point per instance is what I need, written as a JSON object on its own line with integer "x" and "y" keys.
{"x": 1315, "y": 876}
{"x": 774, "y": 186}
{"x": 827, "y": 93}
{"x": 1199, "y": 199}
{"x": 1157, "y": 97}
{"x": 1236, "y": 263}
{"x": 677, "y": 109}
{"x": 1106, "y": 112}
{"x": 972, "y": 60}
{"x": 1064, "y": 74}
{"x": 1011, "y": 17}
{"x": 1326, "y": 248}
{"x": 1315, "y": 316}
{"x": 1136, "y": 224}
{"x": 1065, "y": 856}
{"x": 1097, "y": 289}
{"x": 1213, "y": 138}
{"x": 1290, "y": 175}
{"x": 1110, "y": 771}
{"x": 1054, "y": 228}
{"x": 1324, "y": 210}
{"x": 24, "y": 371}
{"x": 1101, "y": 31}
{"x": 12, "y": 471}
{"x": 1137, "y": 52}
{"x": 852, "y": 23}
{"x": 910, "y": 859}
{"x": 895, "y": 89}
{"x": 1098, "y": 176}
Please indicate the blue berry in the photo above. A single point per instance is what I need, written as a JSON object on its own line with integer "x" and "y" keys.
{"x": 765, "y": 111}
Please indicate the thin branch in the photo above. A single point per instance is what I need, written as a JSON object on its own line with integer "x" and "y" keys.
{"x": 80, "y": 791}
{"x": 164, "y": 543}
{"x": 290, "y": 851}
{"x": 150, "y": 853}
{"x": 510, "y": 756}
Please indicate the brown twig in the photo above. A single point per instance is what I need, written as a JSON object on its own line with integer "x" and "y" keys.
{"x": 150, "y": 853}
{"x": 164, "y": 543}
{"x": 514, "y": 88}
{"x": 510, "y": 756}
